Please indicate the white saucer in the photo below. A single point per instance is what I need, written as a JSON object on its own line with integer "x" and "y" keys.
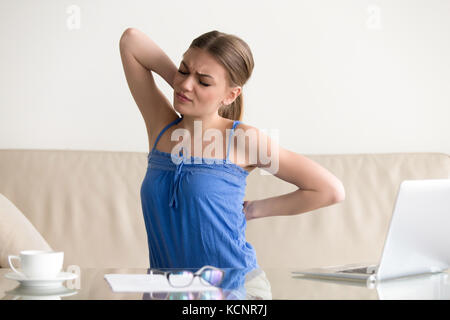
{"x": 41, "y": 282}
{"x": 47, "y": 293}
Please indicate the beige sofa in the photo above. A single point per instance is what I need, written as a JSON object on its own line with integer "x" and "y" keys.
{"x": 87, "y": 204}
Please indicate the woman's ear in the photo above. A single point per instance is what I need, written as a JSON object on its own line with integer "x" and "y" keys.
{"x": 233, "y": 95}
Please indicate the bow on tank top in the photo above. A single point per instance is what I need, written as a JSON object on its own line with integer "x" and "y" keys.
{"x": 193, "y": 211}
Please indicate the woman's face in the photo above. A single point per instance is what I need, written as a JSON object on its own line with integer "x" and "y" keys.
{"x": 206, "y": 92}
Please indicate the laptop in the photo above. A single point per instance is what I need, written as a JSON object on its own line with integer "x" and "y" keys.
{"x": 418, "y": 239}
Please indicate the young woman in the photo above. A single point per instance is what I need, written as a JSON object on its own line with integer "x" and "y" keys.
{"x": 194, "y": 210}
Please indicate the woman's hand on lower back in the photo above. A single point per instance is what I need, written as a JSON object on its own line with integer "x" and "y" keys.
{"x": 249, "y": 209}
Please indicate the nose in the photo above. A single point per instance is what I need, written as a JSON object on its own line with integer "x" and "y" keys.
{"x": 186, "y": 84}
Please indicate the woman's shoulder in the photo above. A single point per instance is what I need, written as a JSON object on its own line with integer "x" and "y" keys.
{"x": 248, "y": 133}
{"x": 256, "y": 137}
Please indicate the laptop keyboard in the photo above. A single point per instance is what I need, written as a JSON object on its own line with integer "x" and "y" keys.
{"x": 357, "y": 270}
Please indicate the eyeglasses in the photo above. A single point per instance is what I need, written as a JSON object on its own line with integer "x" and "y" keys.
{"x": 209, "y": 276}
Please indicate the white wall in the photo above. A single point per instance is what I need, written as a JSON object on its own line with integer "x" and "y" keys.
{"x": 332, "y": 76}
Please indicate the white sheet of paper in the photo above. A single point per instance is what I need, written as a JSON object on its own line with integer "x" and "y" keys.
{"x": 151, "y": 283}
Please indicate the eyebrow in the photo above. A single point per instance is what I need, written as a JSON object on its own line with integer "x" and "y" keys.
{"x": 200, "y": 74}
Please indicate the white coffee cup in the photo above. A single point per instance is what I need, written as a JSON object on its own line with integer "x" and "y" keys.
{"x": 38, "y": 264}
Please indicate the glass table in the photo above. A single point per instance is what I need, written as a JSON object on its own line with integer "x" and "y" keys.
{"x": 239, "y": 284}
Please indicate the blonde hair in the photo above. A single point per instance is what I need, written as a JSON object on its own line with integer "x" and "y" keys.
{"x": 235, "y": 55}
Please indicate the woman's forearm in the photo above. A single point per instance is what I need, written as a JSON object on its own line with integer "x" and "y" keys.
{"x": 296, "y": 202}
{"x": 148, "y": 53}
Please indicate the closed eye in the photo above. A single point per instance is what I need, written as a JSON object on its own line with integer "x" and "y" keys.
{"x": 203, "y": 84}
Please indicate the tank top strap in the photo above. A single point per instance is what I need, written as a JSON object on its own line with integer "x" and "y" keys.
{"x": 235, "y": 123}
{"x": 165, "y": 128}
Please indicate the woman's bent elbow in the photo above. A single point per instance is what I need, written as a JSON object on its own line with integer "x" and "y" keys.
{"x": 338, "y": 193}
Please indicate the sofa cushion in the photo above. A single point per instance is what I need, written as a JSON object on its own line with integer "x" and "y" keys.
{"x": 17, "y": 233}
{"x": 85, "y": 203}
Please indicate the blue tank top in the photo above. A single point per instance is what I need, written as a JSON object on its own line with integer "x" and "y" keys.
{"x": 193, "y": 211}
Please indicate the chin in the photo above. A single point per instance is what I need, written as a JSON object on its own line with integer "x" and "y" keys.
{"x": 176, "y": 107}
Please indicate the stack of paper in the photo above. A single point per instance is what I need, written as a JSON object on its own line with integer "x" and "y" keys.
{"x": 151, "y": 283}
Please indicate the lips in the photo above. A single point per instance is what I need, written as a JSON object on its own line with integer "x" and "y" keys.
{"x": 183, "y": 96}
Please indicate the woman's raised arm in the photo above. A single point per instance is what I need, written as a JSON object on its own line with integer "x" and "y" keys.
{"x": 140, "y": 57}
